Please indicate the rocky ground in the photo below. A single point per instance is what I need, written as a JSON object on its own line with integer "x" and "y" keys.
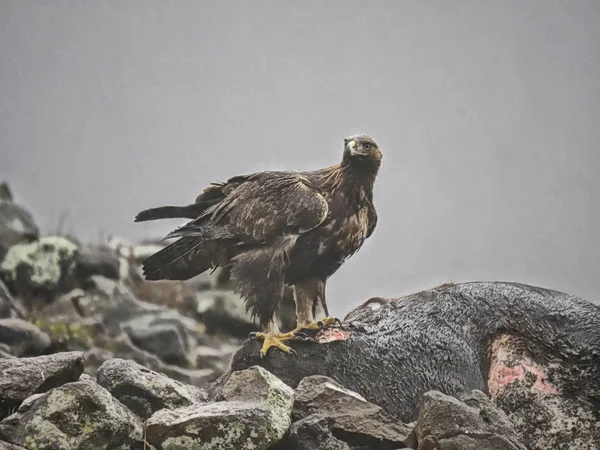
{"x": 94, "y": 357}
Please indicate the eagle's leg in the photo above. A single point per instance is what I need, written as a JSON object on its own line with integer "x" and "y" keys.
{"x": 308, "y": 295}
{"x": 273, "y": 338}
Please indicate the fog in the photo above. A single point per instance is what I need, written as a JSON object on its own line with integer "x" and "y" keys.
{"x": 488, "y": 114}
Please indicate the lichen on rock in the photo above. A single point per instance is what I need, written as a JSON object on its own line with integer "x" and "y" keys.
{"x": 46, "y": 260}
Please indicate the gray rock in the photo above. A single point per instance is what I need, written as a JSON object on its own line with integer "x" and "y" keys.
{"x": 64, "y": 307}
{"x": 96, "y": 261}
{"x": 224, "y": 311}
{"x": 23, "y": 338}
{"x": 446, "y": 423}
{"x": 23, "y": 377}
{"x": 5, "y": 193}
{"x": 255, "y": 414}
{"x": 122, "y": 347}
{"x": 8, "y": 446}
{"x": 42, "y": 267}
{"x": 76, "y": 416}
{"x": 168, "y": 341}
{"x": 7, "y": 303}
{"x": 144, "y": 391}
{"x": 167, "y": 334}
{"x": 348, "y": 414}
{"x": 217, "y": 359}
{"x": 16, "y": 223}
{"x": 312, "y": 433}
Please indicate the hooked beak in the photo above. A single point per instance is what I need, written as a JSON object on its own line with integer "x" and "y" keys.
{"x": 351, "y": 148}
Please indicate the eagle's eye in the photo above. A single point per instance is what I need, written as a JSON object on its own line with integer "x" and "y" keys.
{"x": 366, "y": 146}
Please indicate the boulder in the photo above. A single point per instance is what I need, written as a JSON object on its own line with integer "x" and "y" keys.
{"x": 254, "y": 413}
{"x": 349, "y": 416}
{"x": 224, "y": 311}
{"x": 163, "y": 334}
{"x": 95, "y": 261}
{"x": 439, "y": 340}
{"x": 446, "y": 423}
{"x": 312, "y": 433}
{"x": 23, "y": 338}
{"x": 41, "y": 268}
{"x": 144, "y": 391}
{"x": 23, "y": 377}
{"x": 16, "y": 223}
{"x": 76, "y": 416}
{"x": 8, "y": 446}
{"x": 122, "y": 347}
{"x": 7, "y": 303}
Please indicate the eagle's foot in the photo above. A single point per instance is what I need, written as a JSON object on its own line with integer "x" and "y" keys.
{"x": 318, "y": 326}
{"x": 328, "y": 321}
{"x": 274, "y": 341}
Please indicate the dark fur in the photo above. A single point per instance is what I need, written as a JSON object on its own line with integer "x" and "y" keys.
{"x": 398, "y": 349}
{"x": 274, "y": 228}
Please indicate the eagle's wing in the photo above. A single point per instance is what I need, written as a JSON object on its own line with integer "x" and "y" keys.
{"x": 261, "y": 208}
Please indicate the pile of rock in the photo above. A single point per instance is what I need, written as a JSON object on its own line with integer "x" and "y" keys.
{"x": 54, "y": 405}
{"x": 57, "y": 294}
{"x": 94, "y": 357}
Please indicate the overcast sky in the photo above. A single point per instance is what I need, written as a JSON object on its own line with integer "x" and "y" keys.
{"x": 488, "y": 114}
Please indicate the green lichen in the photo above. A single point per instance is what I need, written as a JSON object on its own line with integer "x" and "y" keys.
{"x": 46, "y": 258}
{"x": 64, "y": 334}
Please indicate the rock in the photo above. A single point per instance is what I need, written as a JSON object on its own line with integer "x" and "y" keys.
{"x": 349, "y": 416}
{"x": 392, "y": 351}
{"x": 99, "y": 261}
{"x": 7, "y": 303}
{"x": 165, "y": 338}
{"x": 254, "y": 414}
{"x": 144, "y": 391}
{"x": 42, "y": 267}
{"x": 538, "y": 397}
{"x": 23, "y": 377}
{"x": 8, "y": 446}
{"x": 122, "y": 347}
{"x": 217, "y": 359}
{"x": 312, "y": 433}
{"x": 23, "y": 338}
{"x": 76, "y": 416}
{"x": 16, "y": 223}
{"x": 6, "y": 195}
{"x": 224, "y": 311}
{"x": 172, "y": 294}
{"x": 446, "y": 423}
{"x": 64, "y": 308}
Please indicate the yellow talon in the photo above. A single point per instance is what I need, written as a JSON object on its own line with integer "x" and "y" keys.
{"x": 270, "y": 341}
{"x": 327, "y": 321}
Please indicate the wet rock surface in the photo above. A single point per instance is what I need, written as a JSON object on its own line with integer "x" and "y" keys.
{"x": 254, "y": 413}
{"x": 347, "y": 414}
{"x": 446, "y": 423}
{"x": 22, "y": 377}
{"x": 144, "y": 391}
{"x": 80, "y": 415}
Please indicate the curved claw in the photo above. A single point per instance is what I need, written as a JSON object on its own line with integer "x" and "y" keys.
{"x": 252, "y": 335}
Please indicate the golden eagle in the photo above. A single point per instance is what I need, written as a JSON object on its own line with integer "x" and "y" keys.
{"x": 275, "y": 228}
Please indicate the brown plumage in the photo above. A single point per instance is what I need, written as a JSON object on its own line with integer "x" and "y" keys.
{"x": 275, "y": 228}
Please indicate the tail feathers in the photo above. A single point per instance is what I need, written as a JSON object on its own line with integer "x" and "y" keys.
{"x": 173, "y": 212}
{"x": 168, "y": 263}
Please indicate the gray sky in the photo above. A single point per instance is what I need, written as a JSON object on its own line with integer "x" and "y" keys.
{"x": 488, "y": 114}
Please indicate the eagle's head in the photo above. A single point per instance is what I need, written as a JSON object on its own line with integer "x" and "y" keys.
{"x": 361, "y": 150}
